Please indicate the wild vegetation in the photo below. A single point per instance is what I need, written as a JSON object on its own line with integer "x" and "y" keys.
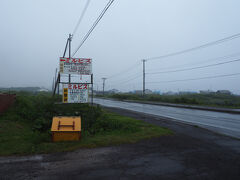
{"x": 25, "y": 127}
{"x": 213, "y": 99}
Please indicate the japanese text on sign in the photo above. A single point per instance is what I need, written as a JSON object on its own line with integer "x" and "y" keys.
{"x": 75, "y": 93}
{"x": 82, "y": 66}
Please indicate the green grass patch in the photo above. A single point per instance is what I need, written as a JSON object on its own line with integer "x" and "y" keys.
{"x": 25, "y": 128}
{"x": 211, "y": 100}
{"x": 138, "y": 130}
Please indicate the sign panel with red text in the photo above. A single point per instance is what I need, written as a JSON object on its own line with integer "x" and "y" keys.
{"x": 75, "y": 93}
{"x": 82, "y": 66}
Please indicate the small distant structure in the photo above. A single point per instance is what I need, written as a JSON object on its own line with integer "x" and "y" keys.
{"x": 206, "y": 92}
{"x": 156, "y": 92}
{"x": 169, "y": 93}
{"x": 43, "y": 90}
{"x": 97, "y": 92}
{"x": 227, "y": 92}
{"x": 148, "y": 91}
{"x": 137, "y": 92}
{"x": 187, "y": 92}
{"x": 113, "y": 91}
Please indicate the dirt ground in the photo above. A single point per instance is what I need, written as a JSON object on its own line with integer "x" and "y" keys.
{"x": 191, "y": 153}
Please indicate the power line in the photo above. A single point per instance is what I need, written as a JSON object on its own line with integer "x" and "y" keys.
{"x": 201, "y": 62}
{"x": 138, "y": 75}
{"x": 197, "y": 47}
{"x": 126, "y": 81}
{"x": 199, "y": 67}
{"x": 193, "y": 79}
{"x": 94, "y": 25}
{"x": 128, "y": 84}
{"x": 81, "y": 17}
{"x": 124, "y": 71}
{"x": 135, "y": 77}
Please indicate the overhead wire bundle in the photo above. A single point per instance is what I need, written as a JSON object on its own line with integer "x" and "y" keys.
{"x": 229, "y": 38}
{"x": 197, "y": 47}
{"x": 137, "y": 75}
{"x": 81, "y": 17}
{"x": 93, "y": 26}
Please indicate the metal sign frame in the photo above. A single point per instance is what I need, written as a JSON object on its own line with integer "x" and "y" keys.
{"x": 57, "y": 80}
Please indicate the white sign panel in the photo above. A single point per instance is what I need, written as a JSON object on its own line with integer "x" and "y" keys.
{"x": 75, "y": 93}
{"x": 82, "y": 66}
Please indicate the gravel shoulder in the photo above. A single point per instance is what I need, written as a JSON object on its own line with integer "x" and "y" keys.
{"x": 191, "y": 153}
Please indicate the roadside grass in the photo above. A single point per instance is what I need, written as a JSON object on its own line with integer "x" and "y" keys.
{"x": 211, "y": 100}
{"x": 25, "y": 128}
{"x": 141, "y": 130}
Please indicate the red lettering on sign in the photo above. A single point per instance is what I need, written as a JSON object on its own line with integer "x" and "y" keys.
{"x": 62, "y": 60}
{"x": 74, "y": 60}
{"x": 77, "y": 86}
{"x": 88, "y": 60}
{"x": 85, "y": 86}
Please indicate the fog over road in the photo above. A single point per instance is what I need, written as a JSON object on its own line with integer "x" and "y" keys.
{"x": 224, "y": 123}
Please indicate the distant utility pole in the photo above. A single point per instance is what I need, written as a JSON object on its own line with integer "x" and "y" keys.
{"x": 103, "y": 84}
{"x": 143, "y": 93}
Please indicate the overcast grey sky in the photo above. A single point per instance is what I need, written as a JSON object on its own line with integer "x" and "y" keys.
{"x": 33, "y": 36}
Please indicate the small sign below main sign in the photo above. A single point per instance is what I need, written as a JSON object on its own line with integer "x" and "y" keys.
{"x": 75, "y": 93}
{"x": 82, "y": 66}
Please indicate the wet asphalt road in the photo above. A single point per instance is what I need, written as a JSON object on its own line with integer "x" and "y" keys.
{"x": 223, "y": 123}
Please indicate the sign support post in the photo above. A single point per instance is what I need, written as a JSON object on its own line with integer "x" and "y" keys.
{"x": 74, "y": 92}
{"x": 70, "y": 39}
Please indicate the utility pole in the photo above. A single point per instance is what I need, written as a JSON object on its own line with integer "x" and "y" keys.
{"x": 56, "y": 80}
{"x": 103, "y": 84}
{"x": 53, "y": 84}
{"x": 143, "y": 93}
{"x": 55, "y": 77}
{"x": 69, "y": 39}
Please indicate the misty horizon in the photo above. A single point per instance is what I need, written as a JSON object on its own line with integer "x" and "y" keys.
{"x": 34, "y": 33}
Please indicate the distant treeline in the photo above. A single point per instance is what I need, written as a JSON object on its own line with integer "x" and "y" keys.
{"x": 27, "y": 89}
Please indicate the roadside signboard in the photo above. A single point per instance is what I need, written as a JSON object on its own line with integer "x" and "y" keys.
{"x": 75, "y": 93}
{"x": 82, "y": 66}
